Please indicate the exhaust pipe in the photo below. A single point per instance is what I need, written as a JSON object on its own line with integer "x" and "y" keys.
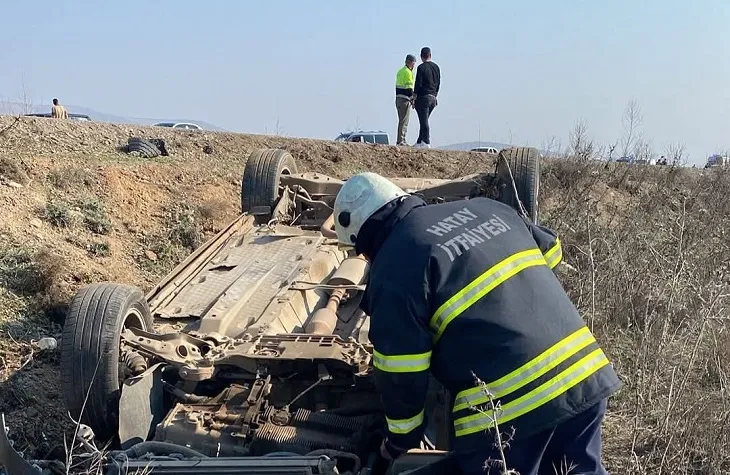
{"x": 352, "y": 271}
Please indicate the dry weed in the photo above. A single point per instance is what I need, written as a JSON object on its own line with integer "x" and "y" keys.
{"x": 501, "y": 442}
{"x": 59, "y": 214}
{"x": 96, "y": 219}
{"x": 184, "y": 229}
{"x": 26, "y": 271}
{"x": 70, "y": 178}
{"x": 12, "y": 170}
{"x": 651, "y": 279}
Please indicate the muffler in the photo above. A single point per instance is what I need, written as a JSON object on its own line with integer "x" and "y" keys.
{"x": 352, "y": 271}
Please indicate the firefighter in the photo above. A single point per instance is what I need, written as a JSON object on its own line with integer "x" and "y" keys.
{"x": 466, "y": 290}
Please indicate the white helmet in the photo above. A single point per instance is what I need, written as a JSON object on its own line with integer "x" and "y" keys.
{"x": 358, "y": 199}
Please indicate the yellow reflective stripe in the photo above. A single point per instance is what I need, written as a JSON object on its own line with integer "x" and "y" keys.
{"x": 554, "y": 255}
{"x": 548, "y": 391}
{"x": 528, "y": 372}
{"x": 482, "y": 285}
{"x": 402, "y": 363}
{"x": 404, "y": 426}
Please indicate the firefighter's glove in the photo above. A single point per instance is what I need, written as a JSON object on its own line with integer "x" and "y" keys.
{"x": 389, "y": 451}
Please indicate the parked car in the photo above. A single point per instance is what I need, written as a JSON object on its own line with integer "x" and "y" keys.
{"x": 178, "y": 125}
{"x": 716, "y": 160}
{"x": 79, "y": 117}
{"x": 366, "y": 136}
{"x": 490, "y": 150}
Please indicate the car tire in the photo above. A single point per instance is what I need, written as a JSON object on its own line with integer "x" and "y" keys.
{"x": 143, "y": 147}
{"x": 90, "y": 352}
{"x": 261, "y": 179}
{"x": 524, "y": 165}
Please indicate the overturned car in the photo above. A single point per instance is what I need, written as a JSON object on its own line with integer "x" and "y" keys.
{"x": 252, "y": 356}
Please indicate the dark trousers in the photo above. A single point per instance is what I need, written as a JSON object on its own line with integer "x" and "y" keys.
{"x": 576, "y": 442}
{"x": 424, "y": 107}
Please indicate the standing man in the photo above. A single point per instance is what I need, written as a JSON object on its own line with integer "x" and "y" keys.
{"x": 428, "y": 83}
{"x": 404, "y": 82}
{"x": 466, "y": 290}
{"x": 58, "y": 111}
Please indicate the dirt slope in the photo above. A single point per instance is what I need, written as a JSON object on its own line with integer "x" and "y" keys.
{"x": 647, "y": 249}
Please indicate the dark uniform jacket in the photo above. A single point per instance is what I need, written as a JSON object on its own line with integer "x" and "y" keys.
{"x": 466, "y": 289}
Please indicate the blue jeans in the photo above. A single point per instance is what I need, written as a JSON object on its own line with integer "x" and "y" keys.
{"x": 575, "y": 442}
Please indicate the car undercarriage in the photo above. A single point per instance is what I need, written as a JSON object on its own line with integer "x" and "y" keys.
{"x": 252, "y": 355}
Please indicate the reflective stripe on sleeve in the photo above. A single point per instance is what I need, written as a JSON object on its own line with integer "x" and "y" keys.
{"x": 554, "y": 255}
{"x": 482, "y": 285}
{"x": 546, "y": 392}
{"x": 528, "y": 372}
{"x": 402, "y": 363}
{"x": 404, "y": 426}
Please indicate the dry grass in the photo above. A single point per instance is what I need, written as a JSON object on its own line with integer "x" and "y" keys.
{"x": 183, "y": 234}
{"x": 651, "y": 254}
{"x": 58, "y": 213}
{"x": 183, "y": 221}
{"x": 89, "y": 210}
{"x": 12, "y": 170}
{"x": 27, "y": 271}
{"x": 210, "y": 211}
{"x": 96, "y": 219}
{"x": 70, "y": 178}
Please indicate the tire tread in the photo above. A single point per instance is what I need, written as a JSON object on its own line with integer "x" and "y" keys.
{"x": 145, "y": 148}
{"x": 525, "y": 165}
{"x": 260, "y": 181}
{"x": 90, "y": 338}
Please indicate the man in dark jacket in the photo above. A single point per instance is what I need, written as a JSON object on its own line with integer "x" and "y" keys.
{"x": 466, "y": 290}
{"x": 428, "y": 84}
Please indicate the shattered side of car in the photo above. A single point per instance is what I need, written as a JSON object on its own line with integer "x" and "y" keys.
{"x": 258, "y": 358}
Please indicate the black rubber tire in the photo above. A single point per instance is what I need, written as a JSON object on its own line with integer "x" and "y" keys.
{"x": 90, "y": 352}
{"x": 261, "y": 178}
{"x": 145, "y": 148}
{"x": 524, "y": 162}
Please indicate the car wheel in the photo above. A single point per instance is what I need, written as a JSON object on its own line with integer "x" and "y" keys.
{"x": 143, "y": 147}
{"x": 521, "y": 166}
{"x": 91, "y": 368}
{"x": 261, "y": 179}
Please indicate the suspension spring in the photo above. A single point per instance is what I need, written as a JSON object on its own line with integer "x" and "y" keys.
{"x": 135, "y": 362}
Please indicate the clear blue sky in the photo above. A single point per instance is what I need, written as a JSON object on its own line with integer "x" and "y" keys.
{"x": 525, "y": 69}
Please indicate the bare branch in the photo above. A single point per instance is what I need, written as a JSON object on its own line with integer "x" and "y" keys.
{"x": 492, "y": 411}
{"x": 581, "y": 146}
{"x": 552, "y": 146}
{"x": 675, "y": 153}
{"x": 26, "y": 101}
{"x": 643, "y": 150}
{"x": 632, "y": 121}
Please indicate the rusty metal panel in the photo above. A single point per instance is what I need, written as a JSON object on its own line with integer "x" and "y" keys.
{"x": 253, "y": 267}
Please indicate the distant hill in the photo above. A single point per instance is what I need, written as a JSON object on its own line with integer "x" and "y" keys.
{"x": 97, "y": 116}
